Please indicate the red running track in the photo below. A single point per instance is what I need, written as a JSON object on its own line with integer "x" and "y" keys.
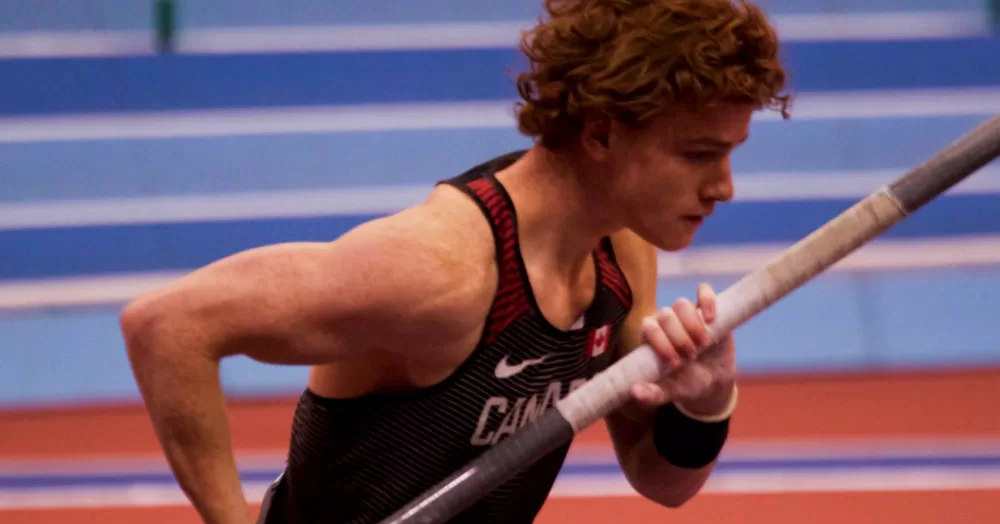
{"x": 939, "y": 406}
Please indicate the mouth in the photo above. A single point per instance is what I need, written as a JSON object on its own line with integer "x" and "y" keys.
{"x": 694, "y": 219}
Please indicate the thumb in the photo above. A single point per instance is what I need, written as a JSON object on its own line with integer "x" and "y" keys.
{"x": 649, "y": 395}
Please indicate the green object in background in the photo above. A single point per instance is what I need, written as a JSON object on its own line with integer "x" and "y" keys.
{"x": 164, "y": 12}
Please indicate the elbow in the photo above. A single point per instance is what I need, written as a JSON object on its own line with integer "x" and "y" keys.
{"x": 670, "y": 498}
{"x": 670, "y": 492}
{"x": 161, "y": 327}
{"x": 675, "y": 501}
{"x": 142, "y": 321}
{"x": 135, "y": 322}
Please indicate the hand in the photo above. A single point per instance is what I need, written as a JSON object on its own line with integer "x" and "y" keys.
{"x": 702, "y": 375}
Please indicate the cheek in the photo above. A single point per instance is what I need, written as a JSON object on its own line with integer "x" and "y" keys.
{"x": 629, "y": 182}
{"x": 656, "y": 207}
{"x": 665, "y": 183}
{"x": 651, "y": 181}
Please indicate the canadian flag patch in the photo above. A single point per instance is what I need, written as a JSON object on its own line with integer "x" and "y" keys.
{"x": 599, "y": 341}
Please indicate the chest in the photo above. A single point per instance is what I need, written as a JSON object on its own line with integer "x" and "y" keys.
{"x": 562, "y": 302}
{"x": 517, "y": 381}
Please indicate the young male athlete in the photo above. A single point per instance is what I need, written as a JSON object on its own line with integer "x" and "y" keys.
{"x": 437, "y": 332}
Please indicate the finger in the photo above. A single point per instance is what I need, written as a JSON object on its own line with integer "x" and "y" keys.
{"x": 693, "y": 323}
{"x": 648, "y": 394}
{"x": 677, "y": 333}
{"x": 706, "y": 302}
{"x": 657, "y": 339}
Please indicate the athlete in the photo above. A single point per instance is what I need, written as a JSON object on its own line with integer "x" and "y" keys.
{"x": 434, "y": 333}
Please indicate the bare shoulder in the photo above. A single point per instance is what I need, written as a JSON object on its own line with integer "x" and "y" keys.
{"x": 429, "y": 278}
{"x": 431, "y": 266}
{"x": 421, "y": 278}
{"x": 440, "y": 237}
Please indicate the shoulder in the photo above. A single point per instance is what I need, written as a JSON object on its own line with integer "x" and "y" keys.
{"x": 449, "y": 235}
{"x": 444, "y": 229}
{"x": 430, "y": 267}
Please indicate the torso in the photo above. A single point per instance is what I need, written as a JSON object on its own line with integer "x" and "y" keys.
{"x": 370, "y": 436}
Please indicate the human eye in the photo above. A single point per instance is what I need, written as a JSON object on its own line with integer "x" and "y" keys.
{"x": 704, "y": 155}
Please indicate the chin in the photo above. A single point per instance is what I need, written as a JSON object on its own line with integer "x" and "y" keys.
{"x": 673, "y": 246}
{"x": 664, "y": 235}
{"x": 670, "y": 242}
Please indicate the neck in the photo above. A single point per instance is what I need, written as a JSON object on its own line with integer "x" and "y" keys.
{"x": 562, "y": 213}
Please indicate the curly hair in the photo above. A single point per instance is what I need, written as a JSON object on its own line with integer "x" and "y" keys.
{"x": 632, "y": 59}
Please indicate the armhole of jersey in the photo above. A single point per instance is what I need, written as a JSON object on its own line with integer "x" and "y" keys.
{"x": 612, "y": 275}
{"x": 510, "y": 300}
{"x": 463, "y": 184}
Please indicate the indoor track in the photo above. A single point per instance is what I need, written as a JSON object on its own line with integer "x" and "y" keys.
{"x": 901, "y": 448}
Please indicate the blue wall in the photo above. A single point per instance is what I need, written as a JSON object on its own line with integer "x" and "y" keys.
{"x": 938, "y": 316}
{"x": 130, "y": 14}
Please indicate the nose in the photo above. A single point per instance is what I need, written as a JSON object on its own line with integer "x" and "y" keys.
{"x": 720, "y": 187}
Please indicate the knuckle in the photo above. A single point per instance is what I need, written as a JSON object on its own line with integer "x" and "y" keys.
{"x": 686, "y": 346}
{"x": 690, "y": 318}
{"x": 665, "y": 317}
{"x": 683, "y": 302}
{"x": 684, "y": 309}
{"x": 698, "y": 326}
{"x": 653, "y": 332}
{"x": 665, "y": 349}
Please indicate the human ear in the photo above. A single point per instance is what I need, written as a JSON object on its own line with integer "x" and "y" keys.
{"x": 595, "y": 137}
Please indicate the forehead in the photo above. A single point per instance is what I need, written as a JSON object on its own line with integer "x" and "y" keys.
{"x": 726, "y": 122}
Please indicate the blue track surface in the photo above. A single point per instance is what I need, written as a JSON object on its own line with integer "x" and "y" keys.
{"x": 982, "y": 463}
{"x": 129, "y": 14}
{"x": 840, "y": 321}
{"x": 46, "y": 86}
{"x": 38, "y": 253}
{"x": 233, "y": 164}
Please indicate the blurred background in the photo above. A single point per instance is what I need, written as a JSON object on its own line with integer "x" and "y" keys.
{"x": 142, "y": 139}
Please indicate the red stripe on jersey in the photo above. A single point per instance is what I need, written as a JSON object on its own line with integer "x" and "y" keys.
{"x": 510, "y": 301}
{"x": 614, "y": 279}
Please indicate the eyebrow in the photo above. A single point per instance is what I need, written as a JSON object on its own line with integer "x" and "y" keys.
{"x": 714, "y": 142}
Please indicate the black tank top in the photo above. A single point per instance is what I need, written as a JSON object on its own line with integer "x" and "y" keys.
{"x": 357, "y": 461}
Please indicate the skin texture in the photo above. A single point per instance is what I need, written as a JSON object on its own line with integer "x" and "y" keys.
{"x": 400, "y": 302}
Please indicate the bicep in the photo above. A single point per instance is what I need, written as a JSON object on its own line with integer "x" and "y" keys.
{"x": 309, "y": 303}
{"x": 639, "y": 262}
{"x": 280, "y": 304}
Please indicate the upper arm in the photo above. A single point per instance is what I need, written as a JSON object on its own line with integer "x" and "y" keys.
{"x": 638, "y": 260}
{"x": 394, "y": 279}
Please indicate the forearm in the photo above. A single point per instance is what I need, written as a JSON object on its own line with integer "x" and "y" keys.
{"x": 185, "y": 402}
{"x": 666, "y": 454}
{"x": 649, "y": 473}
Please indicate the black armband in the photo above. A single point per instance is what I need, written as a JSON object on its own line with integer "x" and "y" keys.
{"x": 686, "y": 442}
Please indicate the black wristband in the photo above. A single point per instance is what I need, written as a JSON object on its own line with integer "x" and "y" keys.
{"x": 685, "y": 442}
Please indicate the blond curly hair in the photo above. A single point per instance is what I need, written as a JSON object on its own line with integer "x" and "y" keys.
{"x": 632, "y": 59}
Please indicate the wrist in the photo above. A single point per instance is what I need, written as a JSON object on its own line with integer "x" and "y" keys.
{"x": 693, "y": 440}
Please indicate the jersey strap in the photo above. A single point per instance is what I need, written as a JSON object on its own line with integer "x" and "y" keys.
{"x": 511, "y": 299}
{"x": 612, "y": 275}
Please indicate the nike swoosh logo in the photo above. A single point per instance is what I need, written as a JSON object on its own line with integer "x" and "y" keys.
{"x": 506, "y": 370}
